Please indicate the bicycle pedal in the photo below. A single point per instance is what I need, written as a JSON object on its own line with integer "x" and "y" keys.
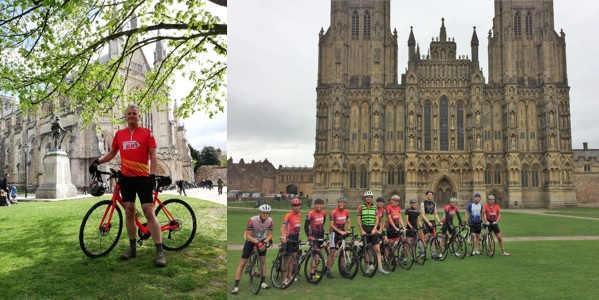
{"x": 140, "y": 242}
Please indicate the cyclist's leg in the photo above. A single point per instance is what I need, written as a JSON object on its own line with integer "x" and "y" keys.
{"x": 128, "y": 195}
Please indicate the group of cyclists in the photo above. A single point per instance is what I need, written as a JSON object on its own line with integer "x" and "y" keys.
{"x": 372, "y": 217}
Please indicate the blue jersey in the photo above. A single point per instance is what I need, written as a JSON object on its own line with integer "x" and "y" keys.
{"x": 474, "y": 210}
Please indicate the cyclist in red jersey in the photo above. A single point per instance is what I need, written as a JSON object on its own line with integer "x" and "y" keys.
{"x": 339, "y": 218}
{"x": 491, "y": 217}
{"x": 449, "y": 211}
{"x": 314, "y": 227}
{"x": 290, "y": 230}
{"x": 394, "y": 221}
{"x": 380, "y": 213}
{"x": 137, "y": 148}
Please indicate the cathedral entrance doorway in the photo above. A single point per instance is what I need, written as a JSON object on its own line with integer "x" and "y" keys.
{"x": 291, "y": 189}
{"x": 444, "y": 192}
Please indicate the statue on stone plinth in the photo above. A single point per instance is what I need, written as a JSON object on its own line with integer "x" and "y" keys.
{"x": 57, "y": 131}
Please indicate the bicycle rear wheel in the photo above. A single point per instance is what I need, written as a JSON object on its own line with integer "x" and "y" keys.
{"x": 404, "y": 255}
{"x": 419, "y": 251}
{"x": 315, "y": 259}
{"x": 281, "y": 269}
{"x": 388, "y": 257}
{"x": 458, "y": 246}
{"x": 255, "y": 273}
{"x": 368, "y": 262}
{"x": 440, "y": 249}
{"x": 490, "y": 250}
{"x": 177, "y": 224}
{"x": 96, "y": 237}
{"x": 348, "y": 262}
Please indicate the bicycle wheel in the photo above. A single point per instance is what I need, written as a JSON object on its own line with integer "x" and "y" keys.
{"x": 483, "y": 243}
{"x": 458, "y": 246}
{"x": 368, "y": 261}
{"x": 280, "y": 270}
{"x": 255, "y": 273}
{"x": 316, "y": 260}
{"x": 388, "y": 257}
{"x": 490, "y": 245}
{"x": 96, "y": 238}
{"x": 348, "y": 262}
{"x": 404, "y": 255}
{"x": 419, "y": 251}
{"x": 440, "y": 249}
{"x": 177, "y": 224}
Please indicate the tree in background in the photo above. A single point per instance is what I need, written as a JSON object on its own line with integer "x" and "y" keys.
{"x": 195, "y": 155}
{"x": 209, "y": 157}
{"x": 51, "y": 49}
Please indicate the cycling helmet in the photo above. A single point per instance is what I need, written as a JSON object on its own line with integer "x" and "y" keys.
{"x": 491, "y": 197}
{"x": 341, "y": 199}
{"x": 264, "y": 208}
{"x": 380, "y": 199}
{"x": 296, "y": 201}
{"x": 453, "y": 200}
{"x": 97, "y": 188}
{"x": 318, "y": 201}
{"x": 413, "y": 200}
{"x": 395, "y": 197}
{"x": 368, "y": 194}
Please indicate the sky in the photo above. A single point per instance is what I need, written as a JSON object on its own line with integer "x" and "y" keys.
{"x": 273, "y": 66}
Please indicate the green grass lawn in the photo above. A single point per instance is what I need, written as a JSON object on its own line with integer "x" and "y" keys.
{"x": 41, "y": 257}
{"x": 536, "y": 269}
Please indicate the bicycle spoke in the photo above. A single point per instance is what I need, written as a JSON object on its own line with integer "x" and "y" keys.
{"x": 178, "y": 224}
{"x": 100, "y": 229}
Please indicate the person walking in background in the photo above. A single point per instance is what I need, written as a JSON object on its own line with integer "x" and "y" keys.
{"x": 4, "y": 185}
{"x": 13, "y": 194}
{"x": 181, "y": 187}
{"x": 220, "y": 185}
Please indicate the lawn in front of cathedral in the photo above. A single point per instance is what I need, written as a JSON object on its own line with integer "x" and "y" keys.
{"x": 538, "y": 269}
{"x": 40, "y": 257}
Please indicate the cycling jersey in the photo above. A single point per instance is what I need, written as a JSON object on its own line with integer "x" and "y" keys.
{"x": 474, "y": 210}
{"x": 395, "y": 213}
{"x": 492, "y": 212}
{"x": 339, "y": 217}
{"x": 259, "y": 228}
{"x": 428, "y": 207}
{"x": 449, "y": 212}
{"x": 380, "y": 212}
{"x": 413, "y": 214}
{"x": 317, "y": 220}
{"x": 293, "y": 221}
{"x": 134, "y": 148}
{"x": 368, "y": 214}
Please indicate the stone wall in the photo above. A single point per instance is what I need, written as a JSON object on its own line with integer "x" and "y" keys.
{"x": 211, "y": 172}
{"x": 586, "y": 186}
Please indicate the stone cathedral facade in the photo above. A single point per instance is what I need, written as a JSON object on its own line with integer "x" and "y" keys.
{"x": 441, "y": 125}
{"x": 25, "y": 139}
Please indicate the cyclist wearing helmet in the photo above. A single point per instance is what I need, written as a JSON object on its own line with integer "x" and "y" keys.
{"x": 394, "y": 221}
{"x": 290, "y": 230}
{"x": 258, "y": 233}
{"x": 412, "y": 220}
{"x": 474, "y": 212}
{"x": 339, "y": 218}
{"x": 314, "y": 227}
{"x": 491, "y": 216}
{"x": 380, "y": 214}
{"x": 449, "y": 211}
{"x": 368, "y": 222}
{"x": 428, "y": 212}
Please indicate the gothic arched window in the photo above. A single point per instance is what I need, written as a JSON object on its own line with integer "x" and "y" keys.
{"x": 354, "y": 24}
{"x": 517, "y": 25}
{"x": 367, "y": 23}
{"x": 363, "y": 178}
{"x": 401, "y": 175}
{"x": 528, "y": 24}
{"x": 352, "y": 178}
{"x": 427, "y": 126}
{"x": 390, "y": 176}
{"x": 460, "y": 125}
{"x": 443, "y": 124}
{"x": 535, "y": 177}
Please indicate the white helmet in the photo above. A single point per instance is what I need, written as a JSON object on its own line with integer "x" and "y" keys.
{"x": 264, "y": 208}
{"x": 395, "y": 197}
{"x": 368, "y": 193}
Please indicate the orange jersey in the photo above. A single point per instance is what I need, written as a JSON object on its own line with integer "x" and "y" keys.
{"x": 294, "y": 222}
{"x": 317, "y": 220}
{"x": 492, "y": 213}
{"x": 339, "y": 218}
{"x": 135, "y": 150}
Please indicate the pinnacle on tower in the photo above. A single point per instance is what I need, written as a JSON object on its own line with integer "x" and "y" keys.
{"x": 443, "y": 34}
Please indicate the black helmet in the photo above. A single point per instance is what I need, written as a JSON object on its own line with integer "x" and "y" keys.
{"x": 97, "y": 188}
{"x": 380, "y": 199}
{"x": 318, "y": 201}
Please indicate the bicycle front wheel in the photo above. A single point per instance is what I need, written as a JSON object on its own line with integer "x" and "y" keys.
{"x": 348, "y": 262}
{"x": 368, "y": 262}
{"x": 458, "y": 246}
{"x": 177, "y": 224}
{"x": 490, "y": 245}
{"x": 419, "y": 251}
{"x": 314, "y": 260}
{"x": 404, "y": 255}
{"x": 100, "y": 231}
{"x": 388, "y": 257}
{"x": 282, "y": 270}
{"x": 255, "y": 273}
{"x": 438, "y": 248}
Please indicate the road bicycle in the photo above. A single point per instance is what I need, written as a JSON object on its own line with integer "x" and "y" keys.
{"x": 254, "y": 270}
{"x": 487, "y": 242}
{"x": 102, "y": 225}
{"x": 435, "y": 243}
{"x": 397, "y": 253}
{"x": 347, "y": 258}
{"x": 456, "y": 244}
{"x": 282, "y": 268}
{"x": 365, "y": 254}
{"x": 312, "y": 259}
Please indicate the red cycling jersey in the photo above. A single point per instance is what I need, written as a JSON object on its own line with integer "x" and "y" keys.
{"x": 395, "y": 213}
{"x": 449, "y": 211}
{"x": 491, "y": 212}
{"x": 317, "y": 219}
{"x": 339, "y": 217}
{"x": 293, "y": 221}
{"x": 134, "y": 148}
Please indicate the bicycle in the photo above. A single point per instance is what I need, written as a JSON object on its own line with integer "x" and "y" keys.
{"x": 280, "y": 273}
{"x": 434, "y": 241}
{"x": 457, "y": 243}
{"x": 347, "y": 260}
{"x": 312, "y": 258}
{"x": 254, "y": 270}
{"x": 396, "y": 253}
{"x": 365, "y": 255}
{"x": 487, "y": 241}
{"x": 101, "y": 229}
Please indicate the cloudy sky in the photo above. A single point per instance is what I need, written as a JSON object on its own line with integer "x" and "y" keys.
{"x": 273, "y": 64}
